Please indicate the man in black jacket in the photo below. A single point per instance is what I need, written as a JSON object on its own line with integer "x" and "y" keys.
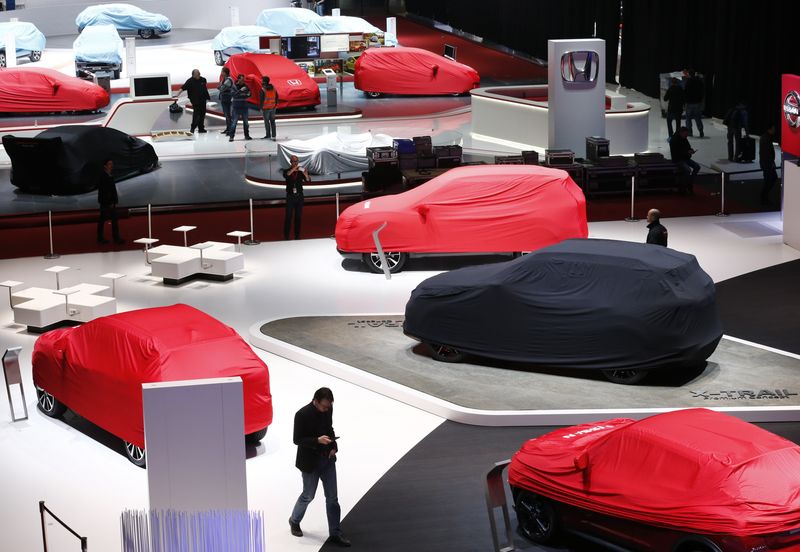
{"x": 316, "y": 460}
{"x": 681, "y": 152}
{"x": 107, "y": 198}
{"x": 196, "y": 88}
{"x": 674, "y": 98}
{"x": 295, "y": 177}
{"x": 766, "y": 160}
{"x": 694, "y": 93}
{"x": 241, "y": 93}
{"x": 657, "y": 233}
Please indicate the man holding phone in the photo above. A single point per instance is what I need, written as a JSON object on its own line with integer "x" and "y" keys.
{"x": 316, "y": 460}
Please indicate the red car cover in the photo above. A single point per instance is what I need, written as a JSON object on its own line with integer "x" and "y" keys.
{"x": 696, "y": 470}
{"x": 412, "y": 71}
{"x": 40, "y": 90}
{"x": 295, "y": 88}
{"x": 480, "y": 208}
{"x": 98, "y": 369}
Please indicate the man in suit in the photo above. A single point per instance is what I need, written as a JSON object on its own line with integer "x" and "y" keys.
{"x": 107, "y": 198}
{"x": 295, "y": 176}
{"x": 316, "y": 460}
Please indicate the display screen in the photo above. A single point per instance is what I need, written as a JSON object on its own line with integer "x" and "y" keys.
{"x": 150, "y": 86}
{"x": 335, "y": 43}
{"x": 300, "y": 47}
{"x": 450, "y": 52}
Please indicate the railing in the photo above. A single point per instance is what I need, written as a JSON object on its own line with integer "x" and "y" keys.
{"x": 42, "y": 510}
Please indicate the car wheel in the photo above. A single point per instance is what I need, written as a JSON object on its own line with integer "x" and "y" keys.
{"x": 396, "y": 261}
{"x": 255, "y": 437}
{"x": 373, "y": 94}
{"x": 518, "y": 254}
{"x": 146, "y": 33}
{"x": 625, "y": 377}
{"x": 444, "y": 353}
{"x": 136, "y": 454}
{"x": 36, "y": 55}
{"x": 536, "y": 517}
{"x": 218, "y": 58}
{"x": 48, "y": 404}
{"x": 2, "y": 59}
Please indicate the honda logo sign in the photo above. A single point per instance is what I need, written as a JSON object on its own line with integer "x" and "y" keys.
{"x": 579, "y": 67}
{"x": 294, "y": 82}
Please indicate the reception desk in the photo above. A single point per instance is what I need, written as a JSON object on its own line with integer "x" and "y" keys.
{"x": 516, "y": 116}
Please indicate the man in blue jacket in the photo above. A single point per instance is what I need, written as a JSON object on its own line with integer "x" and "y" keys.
{"x": 241, "y": 93}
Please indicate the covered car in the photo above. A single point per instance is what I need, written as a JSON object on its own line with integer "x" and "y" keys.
{"x": 125, "y": 18}
{"x": 237, "y": 40}
{"x": 333, "y": 152}
{"x": 98, "y": 48}
{"x": 689, "y": 480}
{"x": 29, "y": 40}
{"x": 619, "y": 307}
{"x": 287, "y": 21}
{"x": 41, "y": 90}
{"x": 295, "y": 88}
{"x": 97, "y": 369}
{"x": 340, "y": 24}
{"x": 473, "y": 209}
{"x": 69, "y": 159}
{"x": 404, "y": 70}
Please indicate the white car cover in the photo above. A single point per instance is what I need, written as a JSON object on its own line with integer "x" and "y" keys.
{"x": 333, "y": 152}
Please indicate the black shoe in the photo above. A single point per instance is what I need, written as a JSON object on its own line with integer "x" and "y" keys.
{"x": 295, "y": 527}
{"x": 202, "y": 130}
{"x": 102, "y": 240}
{"x": 265, "y": 137}
{"x": 191, "y": 130}
{"x": 339, "y": 540}
{"x": 248, "y": 137}
{"x": 230, "y": 139}
{"x": 702, "y": 135}
{"x": 224, "y": 131}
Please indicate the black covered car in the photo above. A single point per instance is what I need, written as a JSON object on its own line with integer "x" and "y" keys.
{"x": 620, "y": 307}
{"x": 69, "y": 159}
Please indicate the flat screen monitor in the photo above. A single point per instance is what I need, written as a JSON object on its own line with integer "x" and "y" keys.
{"x": 151, "y": 86}
{"x": 335, "y": 43}
{"x": 300, "y": 47}
{"x": 450, "y": 52}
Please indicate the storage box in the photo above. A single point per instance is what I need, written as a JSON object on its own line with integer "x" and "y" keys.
{"x": 596, "y": 147}
{"x": 402, "y": 145}
{"x": 383, "y": 152}
{"x": 559, "y": 157}
{"x": 508, "y": 160}
{"x": 423, "y": 144}
{"x": 530, "y": 157}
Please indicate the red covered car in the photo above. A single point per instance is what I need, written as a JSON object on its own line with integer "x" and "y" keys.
{"x": 41, "y": 90}
{"x": 404, "y": 70}
{"x": 97, "y": 369}
{"x": 686, "y": 481}
{"x": 473, "y": 209}
{"x": 295, "y": 88}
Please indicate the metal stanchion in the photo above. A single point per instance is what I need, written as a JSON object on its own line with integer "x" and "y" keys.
{"x": 632, "y": 218}
{"x": 722, "y": 212}
{"x": 252, "y": 239}
{"x": 149, "y": 223}
{"x": 337, "y": 205}
{"x": 51, "y": 255}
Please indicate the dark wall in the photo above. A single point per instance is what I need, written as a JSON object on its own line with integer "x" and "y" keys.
{"x": 526, "y": 25}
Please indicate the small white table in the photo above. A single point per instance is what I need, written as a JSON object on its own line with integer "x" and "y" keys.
{"x": 10, "y": 284}
{"x": 147, "y": 242}
{"x": 200, "y": 247}
{"x": 113, "y": 276}
{"x": 184, "y": 229}
{"x": 238, "y": 234}
{"x": 57, "y": 270}
{"x": 66, "y": 292}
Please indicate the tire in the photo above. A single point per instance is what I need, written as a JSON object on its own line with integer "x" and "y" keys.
{"x": 536, "y": 517}
{"x": 373, "y": 95}
{"x": 48, "y": 404}
{"x": 147, "y": 33}
{"x": 444, "y": 353}
{"x": 396, "y": 261}
{"x": 218, "y": 59}
{"x": 2, "y": 59}
{"x": 36, "y": 55}
{"x": 255, "y": 437}
{"x": 625, "y": 377}
{"x": 135, "y": 454}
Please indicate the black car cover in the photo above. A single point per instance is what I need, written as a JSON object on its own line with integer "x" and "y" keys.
{"x": 582, "y": 303}
{"x": 68, "y": 159}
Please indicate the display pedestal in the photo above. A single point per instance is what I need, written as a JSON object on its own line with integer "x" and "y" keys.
{"x": 791, "y": 203}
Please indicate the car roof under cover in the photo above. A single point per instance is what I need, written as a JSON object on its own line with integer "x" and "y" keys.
{"x": 695, "y": 469}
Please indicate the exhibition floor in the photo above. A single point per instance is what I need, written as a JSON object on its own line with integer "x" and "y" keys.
{"x": 88, "y": 483}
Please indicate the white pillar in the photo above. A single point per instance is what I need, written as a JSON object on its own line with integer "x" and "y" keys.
{"x": 234, "y": 16}
{"x": 130, "y": 56}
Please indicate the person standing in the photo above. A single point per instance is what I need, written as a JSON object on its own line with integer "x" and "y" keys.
{"x": 316, "y": 460}
{"x": 736, "y": 121}
{"x": 225, "y": 96}
{"x": 241, "y": 93}
{"x": 196, "y": 88}
{"x": 766, "y": 160}
{"x": 295, "y": 177}
{"x": 681, "y": 152}
{"x": 675, "y": 99}
{"x": 107, "y": 198}
{"x": 693, "y": 94}
{"x": 269, "y": 104}
{"x": 319, "y": 7}
{"x": 656, "y": 232}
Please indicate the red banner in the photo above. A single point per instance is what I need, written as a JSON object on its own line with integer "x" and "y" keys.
{"x": 790, "y": 114}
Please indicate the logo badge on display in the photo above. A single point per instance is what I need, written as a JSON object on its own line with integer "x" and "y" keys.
{"x": 791, "y": 109}
{"x": 294, "y": 82}
{"x": 580, "y": 66}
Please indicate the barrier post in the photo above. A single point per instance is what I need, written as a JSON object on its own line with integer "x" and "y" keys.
{"x": 722, "y": 212}
{"x": 252, "y": 239}
{"x": 632, "y": 217}
{"x": 51, "y": 255}
{"x": 337, "y": 205}
{"x": 149, "y": 223}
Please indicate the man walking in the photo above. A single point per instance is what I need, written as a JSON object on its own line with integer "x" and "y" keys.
{"x": 674, "y": 98}
{"x": 736, "y": 121}
{"x": 295, "y": 177}
{"x": 269, "y": 103}
{"x": 107, "y": 198}
{"x": 196, "y": 88}
{"x": 241, "y": 93}
{"x": 657, "y": 233}
{"x": 694, "y": 94}
{"x": 316, "y": 460}
{"x": 766, "y": 160}
{"x": 226, "y": 96}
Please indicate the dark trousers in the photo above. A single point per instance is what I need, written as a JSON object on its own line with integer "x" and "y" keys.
{"x": 770, "y": 178}
{"x": 108, "y": 212}
{"x": 676, "y": 117}
{"x": 694, "y": 112}
{"x": 294, "y": 206}
{"x": 269, "y": 123}
{"x": 734, "y": 143}
{"x": 325, "y": 472}
{"x": 198, "y": 115}
{"x": 226, "y": 110}
{"x": 688, "y": 169}
{"x": 239, "y": 113}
